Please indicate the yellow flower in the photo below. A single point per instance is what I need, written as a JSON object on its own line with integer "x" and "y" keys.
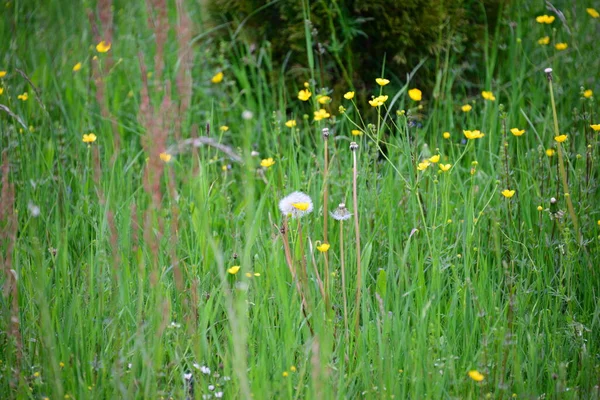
{"x": 61, "y": 364}
{"x": 544, "y": 41}
{"x": 349, "y": 95}
{"x": 508, "y": 193}
{"x": 488, "y": 95}
{"x": 560, "y": 138}
{"x": 234, "y": 270}
{"x": 561, "y": 46}
{"x": 545, "y": 19}
{"x": 445, "y": 167}
{"x": 1, "y": 90}
{"x": 223, "y": 128}
{"x": 593, "y": 13}
{"x": 415, "y": 94}
{"x": 378, "y": 101}
{"x": 323, "y": 247}
{"x": 291, "y": 123}
{"x": 550, "y": 152}
{"x": 517, "y": 132}
{"x": 285, "y": 374}
{"x": 304, "y": 94}
{"x": 323, "y": 99}
{"x": 321, "y": 114}
{"x": 588, "y": 93}
{"x": 540, "y": 208}
{"x": 77, "y": 67}
{"x": 2, "y": 74}
{"x": 446, "y": 135}
{"x": 89, "y": 138}
{"x": 473, "y": 134}
{"x": 36, "y": 374}
{"x": 103, "y": 47}
{"x": 293, "y": 369}
{"x": 382, "y": 81}
{"x": 23, "y": 96}
{"x": 476, "y": 375}
{"x": 218, "y": 77}
{"x": 356, "y": 132}
{"x": 301, "y": 206}
{"x": 422, "y": 166}
{"x": 595, "y": 127}
{"x": 166, "y": 157}
{"x": 466, "y": 108}
{"x": 435, "y": 159}
{"x": 267, "y": 162}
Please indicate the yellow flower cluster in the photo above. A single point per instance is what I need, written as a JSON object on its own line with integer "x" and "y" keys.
{"x": 378, "y": 101}
{"x": 545, "y": 19}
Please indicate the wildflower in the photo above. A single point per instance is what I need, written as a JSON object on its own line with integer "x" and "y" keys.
{"x": 588, "y": 93}
{"x": 378, "y": 101}
{"x": 341, "y": 109}
{"x": 77, "y": 67}
{"x": 61, "y": 364}
{"x": 36, "y": 374}
{"x": 435, "y": 159}
{"x": 341, "y": 213}
{"x": 89, "y": 138}
{"x": 466, "y": 108}
{"x": 296, "y": 205}
{"x": 223, "y": 128}
{"x": 508, "y": 193}
{"x": 321, "y": 114}
{"x": 290, "y": 123}
{"x": 247, "y": 115}
{"x": 476, "y": 375}
{"x": 517, "y": 132}
{"x": 323, "y": 247}
{"x": 446, "y": 135}
{"x": 382, "y": 81}
{"x": 445, "y": 167}
{"x": 324, "y": 99}
{"x": 304, "y": 94}
{"x": 285, "y": 374}
{"x": 422, "y": 166}
{"x": 233, "y": 270}
{"x": 23, "y": 96}
{"x": 595, "y": 127}
{"x": 1, "y": 90}
{"x": 349, "y": 95}
{"x": 544, "y": 41}
{"x": 561, "y": 46}
{"x": 166, "y": 157}
{"x": 540, "y": 208}
{"x": 560, "y": 138}
{"x": 550, "y": 152}
{"x": 103, "y": 47}
{"x": 545, "y": 19}
{"x": 218, "y": 395}
{"x": 593, "y": 13}
{"x": 415, "y": 94}
{"x": 267, "y": 162}
{"x": 473, "y": 134}
{"x": 2, "y": 74}
{"x": 218, "y": 77}
{"x": 488, "y": 95}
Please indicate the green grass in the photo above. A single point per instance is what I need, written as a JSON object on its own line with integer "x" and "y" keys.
{"x": 122, "y": 278}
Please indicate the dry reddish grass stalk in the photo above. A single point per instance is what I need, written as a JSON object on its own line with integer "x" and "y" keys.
{"x": 183, "y": 30}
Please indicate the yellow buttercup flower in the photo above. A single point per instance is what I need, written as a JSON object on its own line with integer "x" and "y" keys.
{"x": 1, "y": 90}
{"x": 378, "y": 101}
{"x": 382, "y": 81}
{"x": 415, "y": 94}
{"x": 267, "y": 162}
{"x": 301, "y": 206}
{"x": 89, "y": 138}
{"x": 321, "y": 114}
{"x": 349, "y": 95}
{"x": 323, "y": 247}
{"x": 304, "y": 94}
{"x": 23, "y": 97}
{"x": 435, "y": 159}
{"x": 77, "y": 67}
{"x": 593, "y": 13}
{"x": 2, "y": 74}
{"x": 545, "y": 19}
{"x": 218, "y": 77}
{"x": 476, "y": 375}
{"x": 445, "y": 167}
{"x": 561, "y": 46}
{"x": 550, "y": 152}
{"x": 223, "y": 128}
{"x": 544, "y": 41}
{"x": 103, "y": 47}
{"x": 560, "y": 138}
{"x": 588, "y": 93}
{"x": 473, "y": 134}
{"x": 508, "y": 193}
{"x": 539, "y": 208}
{"x": 166, "y": 157}
{"x": 488, "y": 95}
{"x": 466, "y": 108}
{"x": 446, "y": 135}
{"x": 290, "y": 123}
{"x": 324, "y": 99}
{"x": 356, "y": 132}
{"x": 422, "y": 166}
{"x": 234, "y": 270}
{"x": 517, "y": 131}
{"x": 595, "y": 127}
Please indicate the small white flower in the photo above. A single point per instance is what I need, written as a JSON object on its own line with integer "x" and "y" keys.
{"x": 226, "y": 378}
{"x": 205, "y": 370}
{"x": 129, "y": 365}
{"x": 341, "y": 213}
{"x": 211, "y": 387}
{"x": 297, "y": 205}
{"x": 33, "y": 210}
{"x": 247, "y": 115}
{"x": 175, "y": 325}
{"x": 187, "y": 377}
{"x": 254, "y": 153}
{"x": 219, "y": 395}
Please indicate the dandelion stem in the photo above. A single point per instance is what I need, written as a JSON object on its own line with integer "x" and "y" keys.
{"x": 344, "y": 296}
{"x": 325, "y": 217}
{"x": 357, "y": 233}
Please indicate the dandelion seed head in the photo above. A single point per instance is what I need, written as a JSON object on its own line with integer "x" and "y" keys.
{"x": 341, "y": 213}
{"x": 296, "y": 205}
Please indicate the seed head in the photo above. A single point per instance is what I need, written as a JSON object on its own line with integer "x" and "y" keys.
{"x": 548, "y": 72}
{"x": 296, "y": 205}
{"x": 325, "y": 133}
{"x": 341, "y": 213}
{"x": 353, "y": 146}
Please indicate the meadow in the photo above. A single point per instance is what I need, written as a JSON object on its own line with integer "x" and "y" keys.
{"x": 182, "y": 217}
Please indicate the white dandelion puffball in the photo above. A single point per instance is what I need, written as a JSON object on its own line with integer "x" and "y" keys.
{"x": 341, "y": 213}
{"x": 296, "y": 205}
